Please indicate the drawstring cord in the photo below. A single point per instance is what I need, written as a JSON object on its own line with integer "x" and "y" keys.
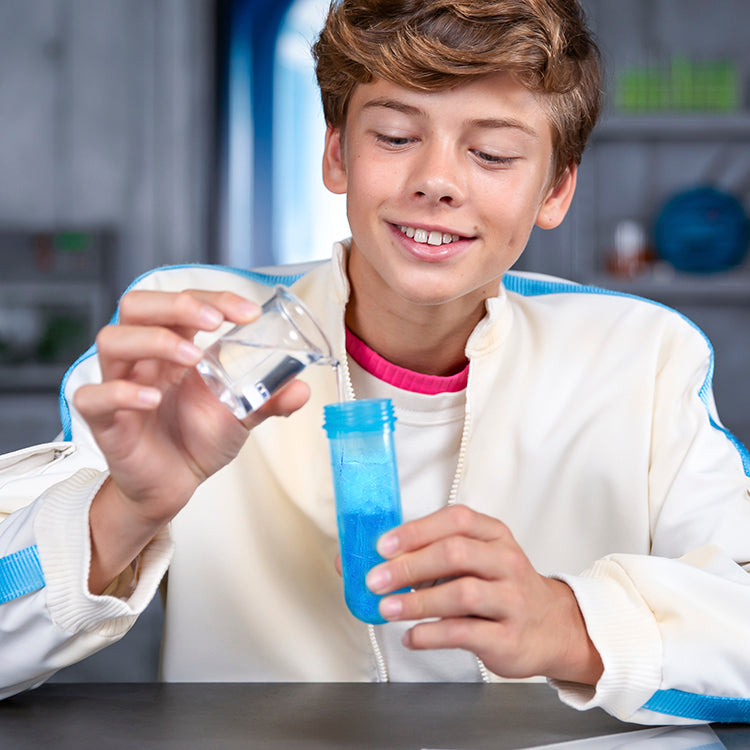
{"x": 380, "y": 662}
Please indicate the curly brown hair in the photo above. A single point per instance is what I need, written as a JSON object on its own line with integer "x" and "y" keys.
{"x": 433, "y": 44}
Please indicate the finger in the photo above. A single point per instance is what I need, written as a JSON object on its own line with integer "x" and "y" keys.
{"x": 468, "y": 633}
{"x": 446, "y": 558}
{"x": 97, "y": 404}
{"x": 194, "y": 309}
{"x": 520, "y": 644}
{"x": 449, "y": 521}
{"x": 285, "y": 402}
{"x": 461, "y": 597}
{"x": 121, "y": 346}
{"x": 498, "y": 644}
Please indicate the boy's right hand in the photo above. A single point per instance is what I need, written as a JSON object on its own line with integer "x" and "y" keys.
{"x": 160, "y": 428}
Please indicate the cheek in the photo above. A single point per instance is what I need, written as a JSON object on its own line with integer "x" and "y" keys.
{"x": 369, "y": 190}
{"x": 512, "y": 214}
{"x": 508, "y": 209}
{"x": 515, "y": 202}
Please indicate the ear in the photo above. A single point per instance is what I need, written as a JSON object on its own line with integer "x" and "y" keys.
{"x": 334, "y": 169}
{"x": 556, "y": 204}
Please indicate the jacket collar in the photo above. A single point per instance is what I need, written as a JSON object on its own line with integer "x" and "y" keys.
{"x": 487, "y": 336}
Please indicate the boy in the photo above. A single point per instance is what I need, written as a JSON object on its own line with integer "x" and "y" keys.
{"x": 573, "y": 507}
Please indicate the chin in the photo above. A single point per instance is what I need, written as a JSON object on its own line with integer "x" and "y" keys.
{"x": 430, "y": 294}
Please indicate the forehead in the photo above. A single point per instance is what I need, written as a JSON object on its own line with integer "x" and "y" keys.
{"x": 496, "y": 100}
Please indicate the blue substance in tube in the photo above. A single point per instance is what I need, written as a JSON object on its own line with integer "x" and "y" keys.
{"x": 358, "y": 535}
{"x": 371, "y": 507}
{"x": 368, "y": 499}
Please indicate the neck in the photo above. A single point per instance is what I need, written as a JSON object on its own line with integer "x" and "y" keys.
{"x": 425, "y": 338}
{"x": 419, "y": 346}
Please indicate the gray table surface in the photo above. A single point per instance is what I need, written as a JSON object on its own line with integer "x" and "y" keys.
{"x": 301, "y": 715}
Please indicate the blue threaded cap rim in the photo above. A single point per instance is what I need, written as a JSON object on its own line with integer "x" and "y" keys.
{"x": 365, "y": 415}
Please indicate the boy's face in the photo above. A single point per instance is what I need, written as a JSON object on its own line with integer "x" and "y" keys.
{"x": 443, "y": 188}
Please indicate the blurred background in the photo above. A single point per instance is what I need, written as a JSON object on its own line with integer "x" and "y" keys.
{"x": 139, "y": 133}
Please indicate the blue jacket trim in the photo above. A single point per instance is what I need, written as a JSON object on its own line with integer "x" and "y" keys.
{"x": 263, "y": 278}
{"x": 700, "y": 707}
{"x": 522, "y": 285}
{"x": 20, "y": 573}
{"x": 532, "y": 287}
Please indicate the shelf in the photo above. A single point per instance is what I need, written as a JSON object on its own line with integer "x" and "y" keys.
{"x": 673, "y": 126}
{"x": 729, "y": 288}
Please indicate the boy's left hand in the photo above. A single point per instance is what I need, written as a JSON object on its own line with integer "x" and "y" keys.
{"x": 488, "y": 598}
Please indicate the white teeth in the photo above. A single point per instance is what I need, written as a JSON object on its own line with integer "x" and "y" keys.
{"x": 431, "y": 238}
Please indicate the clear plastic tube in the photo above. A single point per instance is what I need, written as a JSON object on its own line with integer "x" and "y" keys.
{"x": 366, "y": 486}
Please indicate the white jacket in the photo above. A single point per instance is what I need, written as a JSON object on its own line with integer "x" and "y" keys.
{"x": 590, "y": 430}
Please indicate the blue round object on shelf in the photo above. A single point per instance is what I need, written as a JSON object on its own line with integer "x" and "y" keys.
{"x": 702, "y": 230}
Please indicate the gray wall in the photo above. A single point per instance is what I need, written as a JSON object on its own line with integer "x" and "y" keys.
{"x": 635, "y": 163}
{"x": 106, "y": 111}
{"x": 105, "y": 120}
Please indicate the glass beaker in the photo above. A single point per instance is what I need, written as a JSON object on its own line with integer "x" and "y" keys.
{"x": 251, "y": 362}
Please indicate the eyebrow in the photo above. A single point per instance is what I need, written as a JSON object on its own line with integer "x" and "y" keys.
{"x": 394, "y": 104}
{"x": 497, "y": 123}
{"x": 482, "y": 123}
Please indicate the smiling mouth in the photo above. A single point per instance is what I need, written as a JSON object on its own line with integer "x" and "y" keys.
{"x": 423, "y": 237}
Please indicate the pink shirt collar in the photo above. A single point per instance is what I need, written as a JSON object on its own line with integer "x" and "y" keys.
{"x": 400, "y": 377}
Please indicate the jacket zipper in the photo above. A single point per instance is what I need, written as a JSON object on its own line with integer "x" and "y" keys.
{"x": 381, "y": 665}
{"x": 453, "y": 497}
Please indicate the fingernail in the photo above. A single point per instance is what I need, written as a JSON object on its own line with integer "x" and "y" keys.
{"x": 378, "y": 579}
{"x": 390, "y": 607}
{"x": 210, "y": 317}
{"x": 189, "y": 353}
{"x": 149, "y": 396}
{"x": 249, "y": 310}
{"x": 388, "y": 544}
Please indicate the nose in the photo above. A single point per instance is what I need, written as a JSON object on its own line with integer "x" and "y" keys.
{"x": 437, "y": 175}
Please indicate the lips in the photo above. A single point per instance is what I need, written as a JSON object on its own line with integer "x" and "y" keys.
{"x": 431, "y": 245}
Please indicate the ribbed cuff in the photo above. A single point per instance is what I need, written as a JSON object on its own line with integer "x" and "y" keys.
{"x": 64, "y": 542}
{"x": 624, "y": 631}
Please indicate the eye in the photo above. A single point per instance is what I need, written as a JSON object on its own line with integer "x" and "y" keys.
{"x": 393, "y": 141}
{"x": 493, "y": 160}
